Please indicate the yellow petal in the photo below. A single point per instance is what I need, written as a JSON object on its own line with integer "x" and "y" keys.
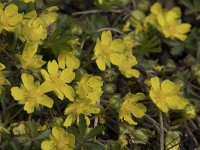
{"x": 173, "y": 15}
{"x": 137, "y": 97}
{"x": 58, "y": 132}
{"x": 106, "y": 37}
{"x": 139, "y": 110}
{"x": 101, "y": 64}
{"x": 129, "y": 120}
{"x": 167, "y": 86}
{"x": 45, "y": 75}
{"x": 61, "y": 60}
{"x": 184, "y": 28}
{"x": 45, "y": 101}
{"x": 29, "y": 107}
{"x": 52, "y": 67}
{"x": 27, "y": 80}
{"x": 68, "y": 92}
{"x": 117, "y": 59}
{"x": 59, "y": 94}
{"x": 156, "y": 8}
{"x": 117, "y": 45}
{"x": 67, "y": 75}
{"x": 163, "y": 106}
{"x": 45, "y": 87}
{"x": 47, "y": 145}
{"x": 68, "y": 121}
{"x": 155, "y": 83}
{"x": 133, "y": 72}
{"x": 17, "y": 93}
{"x": 2, "y": 66}
{"x": 72, "y": 62}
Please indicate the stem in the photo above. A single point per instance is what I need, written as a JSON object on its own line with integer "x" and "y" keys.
{"x": 112, "y": 29}
{"x": 161, "y": 131}
{"x": 192, "y": 135}
{"x": 95, "y": 11}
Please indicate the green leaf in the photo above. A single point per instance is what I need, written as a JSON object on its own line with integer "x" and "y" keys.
{"x": 32, "y": 129}
{"x": 94, "y": 132}
{"x": 114, "y": 146}
{"x": 93, "y": 146}
{"x": 43, "y": 135}
{"x": 82, "y": 126}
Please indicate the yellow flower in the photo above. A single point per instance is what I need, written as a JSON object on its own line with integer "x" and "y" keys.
{"x": 166, "y": 95}
{"x": 90, "y": 87}
{"x": 9, "y": 17}
{"x": 69, "y": 59}
{"x": 50, "y": 15}
{"x": 32, "y": 29}
{"x": 122, "y": 140}
{"x": 29, "y": 59}
{"x": 169, "y": 22}
{"x": 59, "y": 140}
{"x": 31, "y": 94}
{"x": 3, "y": 80}
{"x": 172, "y": 140}
{"x": 130, "y": 106}
{"x": 104, "y": 48}
{"x": 125, "y": 64}
{"x": 82, "y": 106}
{"x": 57, "y": 80}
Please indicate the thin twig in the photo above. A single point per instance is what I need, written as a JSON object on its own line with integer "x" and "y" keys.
{"x": 192, "y": 135}
{"x": 161, "y": 131}
{"x": 112, "y": 29}
{"x": 154, "y": 123}
{"x": 96, "y": 11}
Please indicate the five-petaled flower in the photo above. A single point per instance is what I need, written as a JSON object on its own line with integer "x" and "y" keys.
{"x": 81, "y": 106}
{"x": 59, "y": 140}
{"x": 130, "y": 107}
{"x": 58, "y": 80}
{"x": 166, "y": 95}
{"x": 31, "y": 94}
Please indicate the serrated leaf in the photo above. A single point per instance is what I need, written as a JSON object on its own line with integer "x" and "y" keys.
{"x": 43, "y": 135}
{"x": 114, "y": 146}
{"x": 94, "y": 132}
{"x": 32, "y": 126}
{"x": 177, "y": 50}
{"x": 82, "y": 126}
{"x": 93, "y": 146}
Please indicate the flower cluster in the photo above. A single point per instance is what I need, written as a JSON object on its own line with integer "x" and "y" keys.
{"x": 62, "y": 90}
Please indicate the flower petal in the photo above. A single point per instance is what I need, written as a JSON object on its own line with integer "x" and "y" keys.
{"x": 29, "y": 107}
{"x": 68, "y": 92}
{"x": 67, "y": 75}
{"x": 68, "y": 121}
{"x": 106, "y": 37}
{"x": 155, "y": 83}
{"x": 17, "y": 93}
{"x": 28, "y": 81}
{"x": 52, "y": 67}
{"x": 45, "y": 101}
